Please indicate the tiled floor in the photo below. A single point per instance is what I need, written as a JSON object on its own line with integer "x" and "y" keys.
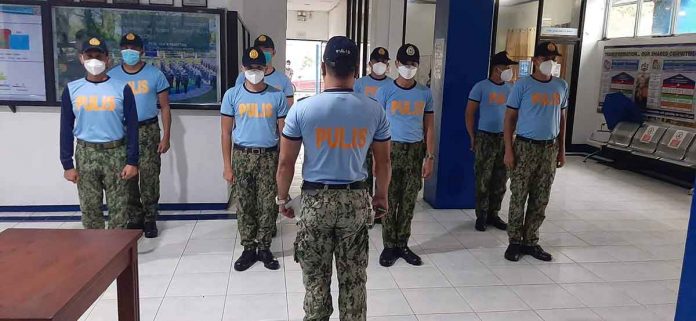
{"x": 617, "y": 237}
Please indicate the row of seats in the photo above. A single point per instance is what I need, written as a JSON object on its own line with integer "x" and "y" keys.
{"x": 676, "y": 145}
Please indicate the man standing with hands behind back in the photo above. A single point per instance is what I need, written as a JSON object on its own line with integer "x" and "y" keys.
{"x": 149, "y": 86}
{"x": 336, "y": 128}
{"x": 537, "y": 112}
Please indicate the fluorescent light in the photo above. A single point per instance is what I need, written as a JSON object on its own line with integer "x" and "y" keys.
{"x": 682, "y": 13}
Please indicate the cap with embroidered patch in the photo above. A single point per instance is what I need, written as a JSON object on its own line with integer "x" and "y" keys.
{"x": 131, "y": 39}
{"x": 264, "y": 41}
{"x": 253, "y": 56}
{"x": 94, "y": 44}
{"x": 408, "y": 53}
{"x": 341, "y": 52}
{"x": 546, "y": 49}
{"x": 502, "y": 59}
{"x": 379, "y": 54}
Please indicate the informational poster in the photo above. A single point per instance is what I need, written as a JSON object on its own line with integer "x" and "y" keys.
{"x": 185, "y": 46}
{"x": 660, "y": 79}
{"x": 649, "y": 134}
{"x": 525, "y": 67}
{"x": 22, "y": 74}
{"x": 677, "y": 139}
{"x": 438, "y": 58}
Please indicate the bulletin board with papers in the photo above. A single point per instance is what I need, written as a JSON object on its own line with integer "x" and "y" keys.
{"x": 660, "y": 79}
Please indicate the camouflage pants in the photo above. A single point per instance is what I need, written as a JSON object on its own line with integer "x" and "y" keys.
{"x": 530, "y": 182}
{"x": 407, "y": 167}
{"x": 100, "y": 170}
{"x": 255, "y": 190}
{"x": 491, "y": 174}
{"x": 334, "y": 224}
{"x": 144, "y": 189}
{"x": 370, "y": 175}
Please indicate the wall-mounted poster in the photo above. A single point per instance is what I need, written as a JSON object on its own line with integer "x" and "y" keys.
{"x": 185, "y": 46}
{"x": 22, "y": 74}
{"x": 660, "y": 79}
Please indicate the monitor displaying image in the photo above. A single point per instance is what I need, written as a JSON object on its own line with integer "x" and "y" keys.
{"x": 22, "y": 73}
{"x": 185, "y": 46}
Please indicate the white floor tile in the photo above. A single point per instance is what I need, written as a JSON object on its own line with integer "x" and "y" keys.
{"x": 510, "y": 315}
{"x": 424, "y": 277}
{"x": 650, "y": 292}
{"x": 215, "y": 229}
{"x": 256, "y": 307}
{"x": 599, "y": 295}
{"x": 436, "y": 300}
{"x": 523, "y": 274}
{"x": 41, "y": 225}
{"x": 568, "y": 273}
{"x": 492, "y": 298}
{"x": 387, "y": 302}
{"x": 214, "y": 246}
{"x": 638, "y": 313}
{"x": 449, "y": 317}
{"x": 494, "y": 257}
{"x": 477, "y": 276}
{"x": 547, "y": 297}
{"x": 378, "y": 279}
{"x": 153, "y": 265}
{"x": 201, "y": 308}
{"x": 204, "y": 263}
{"x": 199, "y": 284}
{"x": 107, "y": 310}
{"x": 394, "y": 318}
{"x": 568, "y": 315}
{"x": 256, "y": 283}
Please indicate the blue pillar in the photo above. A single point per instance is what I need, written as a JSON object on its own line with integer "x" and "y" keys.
{"x": 464, "y": 27}
{"x": 686, "y": 303}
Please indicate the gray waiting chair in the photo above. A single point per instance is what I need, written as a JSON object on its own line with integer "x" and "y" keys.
{"x": 674, "y": 144}
{"x": 646, "y": 139}
{"x": 622, "y": 135}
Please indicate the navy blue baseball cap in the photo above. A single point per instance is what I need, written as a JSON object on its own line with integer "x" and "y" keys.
{"x": 380, "y": 54}
{"x": 94, "y": 44}
{"x": 341, "y": 52}
{"x": 131, "y": 39}
{"x": 408, "y": 53}
{"x": 253, "y": 56}
{"x": 264, "y": 41}
{"x": 546, "y": 49}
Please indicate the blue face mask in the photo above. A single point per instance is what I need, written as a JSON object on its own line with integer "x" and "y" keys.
{"x": 269, "y": 57}
{"x": 130, "y": 56}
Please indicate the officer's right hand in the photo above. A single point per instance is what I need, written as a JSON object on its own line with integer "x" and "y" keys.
{"x": 287, "y": 212}
{"x": 129, "y": 172}
{"x": 228, "y": 175}
{"x": 380, "y": 205}
{"x": 509, "y": 160}
{"x": 473, "y": 144}
{"x": 71, "y": 175}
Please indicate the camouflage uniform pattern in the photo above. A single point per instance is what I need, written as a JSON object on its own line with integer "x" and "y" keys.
{"x": 99, "y": 170}
{"x": 491, "y": 174}
{"x": 254, "y": 191}
{"x": 370, "y": 176}
{"x": 334, "y": 223}
{"x": 407, "y": 169}
{"x": 535, "y": 168}
{"x": 144, "y": 189}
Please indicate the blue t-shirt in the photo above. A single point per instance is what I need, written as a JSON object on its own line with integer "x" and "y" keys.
{"x": 255, "y": 115}
{"x": 369, "y": 86}
{"x": 539, "y": 104}
{"x": 98, "y": 113}
{"x": 276, "y": 79}
{"x": 406, "y": 108}
{"x": 336, "y": 128}
{"x": 146, "y": 84}
{"x": 492, "y": 99}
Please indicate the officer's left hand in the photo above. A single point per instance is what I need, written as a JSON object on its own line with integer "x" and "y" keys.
{"x": 287, "y": 212}
{"x": 129, "y": 172}
{"x": 560, "y": 160}
{"x": 163, "y": 146}
{"x": 427, "y": 168}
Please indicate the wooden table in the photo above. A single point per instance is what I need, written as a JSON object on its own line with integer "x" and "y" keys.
{"x": 58, "y": 274}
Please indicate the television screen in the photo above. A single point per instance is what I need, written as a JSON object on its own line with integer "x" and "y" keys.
{"x": 185, "y": 46}
{"x": 22, "y": 73}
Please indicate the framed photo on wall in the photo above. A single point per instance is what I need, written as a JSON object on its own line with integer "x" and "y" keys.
{"x": 126, "y": 1}
{"x": 162, "y": 2}
{"x": 195, "y": 3}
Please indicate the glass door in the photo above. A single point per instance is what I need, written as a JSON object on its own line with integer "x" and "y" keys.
{"x": 305, "y": 66}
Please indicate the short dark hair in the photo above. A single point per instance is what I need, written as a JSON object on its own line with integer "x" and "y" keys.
{"x": 341, "y": 71}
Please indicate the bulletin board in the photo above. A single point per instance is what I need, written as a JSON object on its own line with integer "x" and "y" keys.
{"x": 660, "y": 79}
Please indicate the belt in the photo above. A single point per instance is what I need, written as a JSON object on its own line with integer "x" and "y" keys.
{"x": 490, "y": 133}
{"x": 107, "y": 145}
{"x": 311, "y": 186}
{"x": 255, "y": 150}
{"x": 537, "y": 142}
{"x": 402, "y": 145}
{"x": 150, "y": 121}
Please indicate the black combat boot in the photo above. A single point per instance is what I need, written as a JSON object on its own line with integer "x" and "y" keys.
{"x": 481, "y": 224}
{"x": 497, "y": 222}
{"x": 537, "y": 252}
{"x": 150, "y": 230}
{"x": 388, "y": 257}
{"x": 245, "y": 261}
{"x": 410, "y": 257}
{"x": 268, "y": 260}
{"x": 513, "y": 252}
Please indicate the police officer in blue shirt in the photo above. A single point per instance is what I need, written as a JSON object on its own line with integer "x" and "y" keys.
{"x": 489, "y": 98}
{"x": 537, "y": 112}
{"x": 100, "y": 112}
{"x": 336, "y": 128}
{"x": 379, "y": 63}
{"x": 409, "y": 107}
{"x": 253, "y": 113}
{"x": 149, "y": 86}
{"x": 276, "y": 79}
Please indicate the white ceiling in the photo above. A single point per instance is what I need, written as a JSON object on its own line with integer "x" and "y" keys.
{"x": 312, "y": 5}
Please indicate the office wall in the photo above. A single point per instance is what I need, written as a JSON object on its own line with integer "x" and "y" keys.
{"x": 191, "y": 172}
{"x": 587, "y": 120}
{"x": 515, "y": 17}
{"x": 337, "y": 19}
{"x": 386, "y": 28}
{"x": 315, "y": 28}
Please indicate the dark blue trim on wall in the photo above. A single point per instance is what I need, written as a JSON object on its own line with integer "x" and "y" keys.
{"x": 76, "y": 208}
{"x": 76, "y": 218}
{"x": 686, "y": 309}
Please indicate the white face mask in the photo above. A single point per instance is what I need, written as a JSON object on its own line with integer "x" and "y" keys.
{"x": 95, "y": 67}
{"x": 547, "y": 67}
{"x": 506, "y": 75}
{"x": 379, "y": 68}
{"x": 408, "y": 72}
{"x": 254, "y": 76}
